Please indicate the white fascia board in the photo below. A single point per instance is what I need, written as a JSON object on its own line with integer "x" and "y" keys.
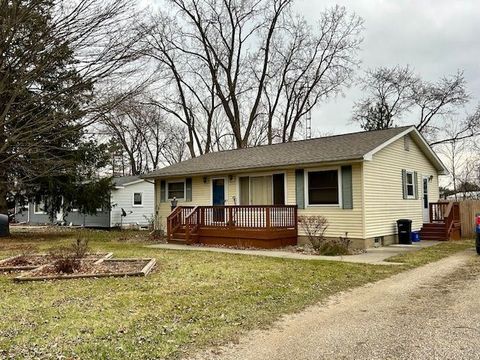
{"x": 423, "y": 144}
{"x": 133, "y": 182}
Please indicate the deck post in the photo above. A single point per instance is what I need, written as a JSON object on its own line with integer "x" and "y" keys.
{"x": 267, "y": 217}
{"x": 230, "y": 217}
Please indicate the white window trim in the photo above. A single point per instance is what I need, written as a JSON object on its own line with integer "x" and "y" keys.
{"x": 339, "y": 179}
{"x": 250, "y": 175}
{"x": 133, "y": 199}
{"x": 42, "y": 212}
{"x": 413, "y": 183}
{"x": 184, "y": 189}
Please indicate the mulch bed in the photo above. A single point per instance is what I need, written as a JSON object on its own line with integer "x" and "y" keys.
{"x": 93, "y": 269}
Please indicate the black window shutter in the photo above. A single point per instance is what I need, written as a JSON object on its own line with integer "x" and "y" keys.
{"x": 347, "y": 193}
{"x": 404, "y": 183}
{"x": 162, "y": 190}
{"x": 300, "y": 188}
{"x": 188, "y": 189}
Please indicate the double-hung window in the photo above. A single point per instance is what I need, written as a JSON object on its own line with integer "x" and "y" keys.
{"x": 176, "y": 189}
{"x": 323, "y": 187}
{"x": 410, "y": 184}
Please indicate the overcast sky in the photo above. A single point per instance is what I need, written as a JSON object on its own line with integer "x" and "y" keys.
{"x": 435, "y": 37}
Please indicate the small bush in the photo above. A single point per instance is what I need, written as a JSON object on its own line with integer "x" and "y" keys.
{"x": 333, "y": 248}
{"x": 80, "y": 248}
{"x": 314, "y": 227}
{"x": 65, "y": 261}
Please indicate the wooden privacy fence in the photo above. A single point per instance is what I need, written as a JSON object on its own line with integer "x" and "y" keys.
{"x": 468, "y": 209}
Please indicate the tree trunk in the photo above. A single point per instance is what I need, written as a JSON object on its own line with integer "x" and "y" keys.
{"x": 3, "y": 175}
{"x": 3, "y": 193}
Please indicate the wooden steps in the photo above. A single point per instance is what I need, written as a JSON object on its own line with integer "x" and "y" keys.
{"x": 439, "y": 231}
{"x": 433, "y": 231}
{"x": 179, "y": 237}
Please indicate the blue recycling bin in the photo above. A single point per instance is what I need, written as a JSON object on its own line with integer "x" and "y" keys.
{"x": 415, "y": 236}
{"x": 477, "y": 230}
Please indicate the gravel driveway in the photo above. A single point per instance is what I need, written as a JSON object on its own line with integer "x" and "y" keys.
{"x": 432, "y": 312}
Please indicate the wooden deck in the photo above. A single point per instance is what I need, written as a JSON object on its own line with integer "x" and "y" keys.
{"x": 444, "y": 222}
{"x": 264, "y": 226}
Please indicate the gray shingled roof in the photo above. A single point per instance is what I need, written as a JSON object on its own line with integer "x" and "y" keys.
{"x": 122, "y": 180}
{"x": 344, "y": 147}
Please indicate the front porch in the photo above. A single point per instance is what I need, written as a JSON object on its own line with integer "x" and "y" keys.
{"x": 261, "y": 226}
{"x": 444, "y": 222}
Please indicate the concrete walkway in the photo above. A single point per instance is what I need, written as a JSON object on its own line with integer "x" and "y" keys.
{"x": 374, "y": 256}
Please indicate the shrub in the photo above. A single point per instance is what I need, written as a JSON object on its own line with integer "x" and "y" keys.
{"x": 64, "y": 261}
{"x": 314, "y": 227}
{"x": 80, "y": 248}
{"x": 333, "y": 248}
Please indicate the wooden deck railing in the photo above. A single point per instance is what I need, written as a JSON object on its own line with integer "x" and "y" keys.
{"x": 244, "y": 217}
{"x": 437, "y": 211}
{"x": 176, "y": 219}
{"x": 447, "y": 213}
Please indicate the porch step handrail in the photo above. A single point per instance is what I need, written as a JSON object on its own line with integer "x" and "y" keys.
{"x": 446, "y": 213}
{"x": 191, "y": 224}
{"x": 452, "y": 217}
{"x": 176, "y": 219}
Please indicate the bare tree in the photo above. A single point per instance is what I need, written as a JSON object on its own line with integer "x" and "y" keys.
{"x": 224, "y": 62}
{"x": 308, "y": 65}
{"x": 146, "y": 139}
{"x": 460, "y": 157}
{"x": 394, "y": 92}
{"x": 391, "y": 93}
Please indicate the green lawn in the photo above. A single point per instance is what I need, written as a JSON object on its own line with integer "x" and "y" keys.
{"x": 192, "y": 300}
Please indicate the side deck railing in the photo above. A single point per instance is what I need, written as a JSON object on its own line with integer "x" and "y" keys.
{"x": 447, "y": 213}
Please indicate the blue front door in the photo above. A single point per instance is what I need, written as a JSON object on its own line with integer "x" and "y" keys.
{"x": 218, "y": 195}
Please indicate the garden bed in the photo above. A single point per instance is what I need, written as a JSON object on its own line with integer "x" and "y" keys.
{"x": 89, "y": 269}
{"x": 26, "y": 262}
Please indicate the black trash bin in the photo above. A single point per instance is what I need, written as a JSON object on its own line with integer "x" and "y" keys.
{"x": 404, "y": 227}
{"x": 4, "y": 229}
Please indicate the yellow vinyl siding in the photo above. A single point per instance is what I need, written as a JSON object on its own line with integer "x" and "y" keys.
{"x": 384, "y": 203}
{"x": 201, "y": 195}
{"x": 340, "y": 220}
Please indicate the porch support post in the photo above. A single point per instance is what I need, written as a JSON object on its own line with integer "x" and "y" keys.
{"x": 230, "y": 217}
{"x": 267, "y": 217}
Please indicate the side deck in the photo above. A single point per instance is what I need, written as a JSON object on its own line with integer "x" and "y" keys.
{"x": 444, "y": 222}
{"x": 261, "y": 226}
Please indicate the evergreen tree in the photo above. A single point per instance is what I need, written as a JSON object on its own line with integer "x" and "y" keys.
{"x": 47, "y": 81}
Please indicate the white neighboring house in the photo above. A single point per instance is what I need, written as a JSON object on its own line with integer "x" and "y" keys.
{"x": 133, "y": 195}
{"x": 136, "y": 197}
